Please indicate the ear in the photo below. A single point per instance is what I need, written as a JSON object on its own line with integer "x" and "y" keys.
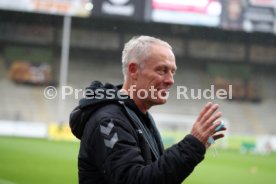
{"x": 133, "y": 70}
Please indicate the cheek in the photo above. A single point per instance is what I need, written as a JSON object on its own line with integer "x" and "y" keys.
{"x": 150, "y": 79}
{"x": 157, "y": 80}
{"x": 154, "y": 82}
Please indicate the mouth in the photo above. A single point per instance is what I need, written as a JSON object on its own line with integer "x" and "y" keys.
{"x": 164, "y": 92}
{"x": 165, "y": 89}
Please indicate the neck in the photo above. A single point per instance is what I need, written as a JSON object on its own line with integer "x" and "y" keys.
{"x": 127, "y": 88}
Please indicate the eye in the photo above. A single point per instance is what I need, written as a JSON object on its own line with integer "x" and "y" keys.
{"x": 173, "y": 72}
{"x": 162, "y": 70}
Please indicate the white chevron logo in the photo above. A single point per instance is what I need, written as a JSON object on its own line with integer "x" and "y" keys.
{"x": 110, "y": 143}
{"x": 107, "y": 130}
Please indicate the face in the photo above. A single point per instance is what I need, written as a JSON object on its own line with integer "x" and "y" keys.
{"x": 156, "y": 76}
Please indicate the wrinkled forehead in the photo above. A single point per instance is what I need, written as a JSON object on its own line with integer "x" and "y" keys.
{"x": 161, "y": 52}
{"x": 161, "y": 56}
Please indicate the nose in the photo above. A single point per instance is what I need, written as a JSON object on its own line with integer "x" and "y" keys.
{"x": 169, "y": 80}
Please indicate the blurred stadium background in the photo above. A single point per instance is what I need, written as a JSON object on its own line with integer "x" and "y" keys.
{"x": 216, "y": 42}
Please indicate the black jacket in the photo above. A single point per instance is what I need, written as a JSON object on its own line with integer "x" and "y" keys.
{"x": 115, "y": 148}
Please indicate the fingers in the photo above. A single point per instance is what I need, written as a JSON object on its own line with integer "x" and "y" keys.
{"x": 218, "y": 136}
{"x": 206, "y": 123}
{"x": 203, "y": 111}
{"x": 206, "y": 117}
{"x": 211, "y": 129}
{"x": 222, "y": 129}
{"x": 213, "y": 118}
{"x": 207, "y": 112}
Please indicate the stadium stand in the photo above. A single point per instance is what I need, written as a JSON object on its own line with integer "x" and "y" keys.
{"x": 95, "y": 55}
{"x": 20, "y": 102}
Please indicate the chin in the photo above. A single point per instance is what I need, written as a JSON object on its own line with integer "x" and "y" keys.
{"x": 160, "y": 101}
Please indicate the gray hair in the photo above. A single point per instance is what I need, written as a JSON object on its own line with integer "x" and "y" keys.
{"x": 137, "y": 49}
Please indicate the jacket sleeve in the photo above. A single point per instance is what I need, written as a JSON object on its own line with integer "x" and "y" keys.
{"x": 117, "y": 154}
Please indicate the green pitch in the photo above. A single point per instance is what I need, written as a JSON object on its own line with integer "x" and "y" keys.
{"x": 39, "y": 161}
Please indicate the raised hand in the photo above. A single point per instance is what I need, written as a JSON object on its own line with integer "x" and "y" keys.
{"x": 206, "y": 123}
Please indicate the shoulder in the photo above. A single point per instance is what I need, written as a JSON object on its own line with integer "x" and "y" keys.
{"x": 108, "y": 113}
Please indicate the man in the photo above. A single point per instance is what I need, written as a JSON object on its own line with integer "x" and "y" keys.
{"x": 119, "y": 140}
